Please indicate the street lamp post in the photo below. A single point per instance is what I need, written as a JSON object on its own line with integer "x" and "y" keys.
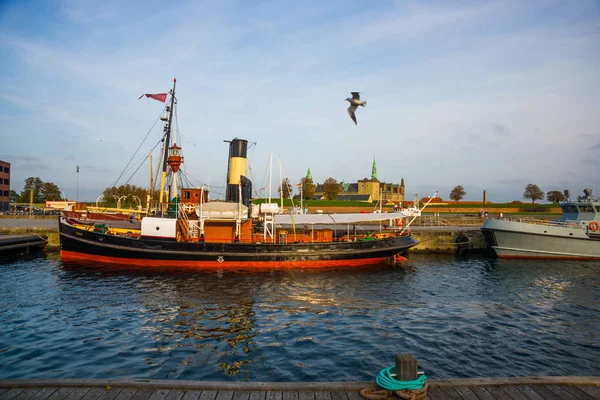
{"x": 77, "y": 196}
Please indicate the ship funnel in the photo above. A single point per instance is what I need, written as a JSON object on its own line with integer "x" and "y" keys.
{"x": 236, "y": 171}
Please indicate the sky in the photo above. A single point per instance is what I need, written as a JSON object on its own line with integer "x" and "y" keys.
{"x": 488, "y": 95}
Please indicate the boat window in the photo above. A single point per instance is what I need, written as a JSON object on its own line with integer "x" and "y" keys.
{"x": 597, "y": 208}
{"x": 569, "y": 208}
{"x": 586, "y": 208}
{"x": 186, "y": 195}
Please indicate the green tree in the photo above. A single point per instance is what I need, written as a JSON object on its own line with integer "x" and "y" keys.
{"x": 331, "y": 188}
{"x": 533, "y": 192}
{"x": 555, "y": 196}
{"x": 13, "y": 196}
{"x": 458, "y": 193}
{"x": 50, "y": 191}
{"x": 35, "y": 184}
{"x": 307, "y": 187}
{"x": 285, "y": 189}
{"x": 127, "y": 193}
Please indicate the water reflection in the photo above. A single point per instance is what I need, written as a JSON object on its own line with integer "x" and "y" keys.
{"x": 189, "y": 319}
{"x": 504, "y": 318}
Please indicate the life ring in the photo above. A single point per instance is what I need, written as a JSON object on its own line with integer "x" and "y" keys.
{"x": 399, "y": 222}
{"x": 594, "y": 226}
{"x": 189, "y": 207}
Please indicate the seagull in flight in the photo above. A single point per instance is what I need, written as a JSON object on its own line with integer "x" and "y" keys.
{"x": 354, "y": 103}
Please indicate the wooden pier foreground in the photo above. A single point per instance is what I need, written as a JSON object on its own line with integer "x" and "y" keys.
{"x": 534, "y": 388}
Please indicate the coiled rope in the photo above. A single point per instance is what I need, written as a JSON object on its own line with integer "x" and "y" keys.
{"x": 388, "y": 385}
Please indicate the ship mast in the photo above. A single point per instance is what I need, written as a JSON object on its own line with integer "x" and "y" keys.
{"x": 167, "y": 142}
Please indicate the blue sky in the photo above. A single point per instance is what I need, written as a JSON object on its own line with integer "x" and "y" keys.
{"x": 487, "y": 95}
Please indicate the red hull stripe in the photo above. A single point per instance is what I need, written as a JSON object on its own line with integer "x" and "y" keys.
{"x": 75, "y": 256}
{"x": 575, "y": 258}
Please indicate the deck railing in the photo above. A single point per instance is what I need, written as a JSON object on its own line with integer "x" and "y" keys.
{"x": 575, "y": 224}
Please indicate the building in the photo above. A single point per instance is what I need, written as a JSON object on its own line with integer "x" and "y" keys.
{"x": 386, "y": 192}
{"x": 4, "y": 185}
{"x": 372, "y": 189}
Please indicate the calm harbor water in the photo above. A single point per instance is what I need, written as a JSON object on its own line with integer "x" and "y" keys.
{"x": 461, "y": 317}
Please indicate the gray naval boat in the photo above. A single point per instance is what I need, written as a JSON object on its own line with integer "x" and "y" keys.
{"x": 574, "y": 236}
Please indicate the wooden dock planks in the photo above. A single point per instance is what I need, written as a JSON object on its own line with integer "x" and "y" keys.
{"x": 510, "y": 389}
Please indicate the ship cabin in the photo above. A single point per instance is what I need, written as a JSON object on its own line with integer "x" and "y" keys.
{"x": 580, "y": 211}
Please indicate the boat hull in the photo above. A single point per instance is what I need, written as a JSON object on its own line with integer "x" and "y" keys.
{"x": 513, "y": 239}
{"x": 77, "y": 244}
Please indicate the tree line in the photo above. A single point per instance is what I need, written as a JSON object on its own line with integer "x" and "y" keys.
{"x": 532, "y": 192}
{"x": 331, "y": 188}
{"x": 42, "y": 191}
{"x": 132, "y": 195}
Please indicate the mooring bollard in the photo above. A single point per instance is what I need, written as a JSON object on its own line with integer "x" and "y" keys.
{"x": 406, "y": 367}
{"x": 401, "y": 381}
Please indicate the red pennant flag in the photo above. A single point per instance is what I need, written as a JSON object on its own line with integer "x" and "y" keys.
{"x": 158, "y": 96}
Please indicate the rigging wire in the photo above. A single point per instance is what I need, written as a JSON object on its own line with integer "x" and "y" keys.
{"x": 141, "y": 163}
{"x": 138, "y": 149}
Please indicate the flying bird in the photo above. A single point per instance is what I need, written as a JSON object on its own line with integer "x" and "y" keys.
{"x": 354, "y": 103}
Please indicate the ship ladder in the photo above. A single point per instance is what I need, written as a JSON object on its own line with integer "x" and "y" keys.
{"x": 183, "y": 223}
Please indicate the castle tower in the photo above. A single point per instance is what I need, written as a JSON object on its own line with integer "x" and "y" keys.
{"x": 308, "y": 175}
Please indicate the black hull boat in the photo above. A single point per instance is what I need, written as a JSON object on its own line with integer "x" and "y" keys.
{"x": 181, "y": 227}
{"x": 77, "y": 244}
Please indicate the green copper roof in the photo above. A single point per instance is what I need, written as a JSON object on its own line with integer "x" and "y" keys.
{"x": 374, "y": 170}
{"x": 308, "y": 175}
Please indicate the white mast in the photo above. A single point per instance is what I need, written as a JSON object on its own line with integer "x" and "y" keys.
{"x": 270, "y": 173}
{"x": 281, "y": 187}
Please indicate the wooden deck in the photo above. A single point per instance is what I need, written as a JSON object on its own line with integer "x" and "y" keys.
{"x": 535, "y": 388}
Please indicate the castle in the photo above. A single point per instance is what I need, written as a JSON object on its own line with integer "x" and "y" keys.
{"x": 366, "y": 189}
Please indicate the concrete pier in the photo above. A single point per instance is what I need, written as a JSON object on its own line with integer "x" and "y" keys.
{"x": 448, "y": 240}
{"x": 21, "y": 243}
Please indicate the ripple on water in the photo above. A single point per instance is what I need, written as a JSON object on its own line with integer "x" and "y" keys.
{"x": 461, "y": 317}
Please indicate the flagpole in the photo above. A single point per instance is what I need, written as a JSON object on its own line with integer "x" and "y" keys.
{"x": 166, "y": 155}
{"x": 270, "y": 174}
{"x": 301, "y": 206}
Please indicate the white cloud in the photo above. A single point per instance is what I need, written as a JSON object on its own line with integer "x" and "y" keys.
{"x": 473, "y": 94}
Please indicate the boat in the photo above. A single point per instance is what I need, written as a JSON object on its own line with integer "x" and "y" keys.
{"x": 183, "y": 228}
{"x": 575, "y": 236}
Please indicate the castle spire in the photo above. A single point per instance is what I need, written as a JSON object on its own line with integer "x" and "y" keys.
{"x": 308, "y": 175}
{"x": 374, "y": 170}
